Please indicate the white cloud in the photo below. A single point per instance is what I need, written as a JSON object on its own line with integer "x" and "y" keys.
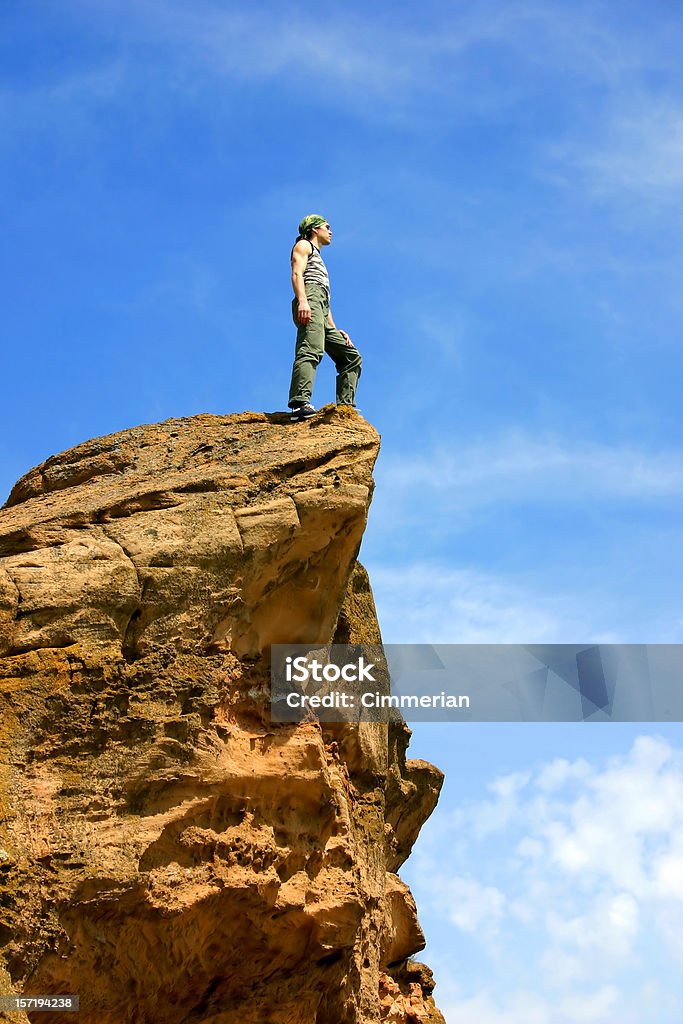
{"x": 424, "y": 603}
{"x": 561, "y": 771}
{"x": 453, "y": 63}
{"x": 525, "y": 1007}
{"x": 531, "y": 848}
{"x": 609, "y": 927}
{"x": 66, "y": 106}
{"x": 517, "y": 466}
{"x": 668, "y": 874}
{"x": 470, "y": 906}
{"x": 494, "y": 815}
{"x": 593, "y": 1006}
{"x": 350, "y": 59}
{"x": 519, "y": 1008}
{"x": 576, "y": 582}
{"x": 622, "y": 826}
{"x": 638, "y": 152}
{"x": 581, "y": 888}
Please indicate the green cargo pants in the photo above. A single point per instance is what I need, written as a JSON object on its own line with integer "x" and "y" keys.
{"x": 312, "y": 340}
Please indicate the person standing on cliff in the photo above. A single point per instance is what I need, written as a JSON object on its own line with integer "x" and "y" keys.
{"x": 316, "y": 330}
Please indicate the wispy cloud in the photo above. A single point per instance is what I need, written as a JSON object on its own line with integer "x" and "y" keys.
{"x": 645, "y": 152}
{"x": 587, "y": 571}
{"x": 638, "y": 154}
{"x": 70, "y": 98}
{"x": 427, "y": 602}
{"x": 358, "y": 55}
{"x": 473, "y": 907}
{"x": 580, "y": 883}
{"x": 453, "y": 62}
{"x": 527, "y": 1007}
{"x": 361, "y": 63}
{"x": 516, "y": 466}
{"x": 453, "y": 67}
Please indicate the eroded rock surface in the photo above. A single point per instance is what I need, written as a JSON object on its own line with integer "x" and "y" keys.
{"x": 165, "y": 851}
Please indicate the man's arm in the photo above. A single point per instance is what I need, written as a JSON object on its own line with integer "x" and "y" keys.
{"x": 300, "y": 254}
{"x": 344, "y": 335}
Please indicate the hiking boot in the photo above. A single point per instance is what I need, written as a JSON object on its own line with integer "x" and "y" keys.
{"x": 301, "y": 411}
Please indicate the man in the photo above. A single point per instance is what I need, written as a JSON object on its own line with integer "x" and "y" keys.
{"x": 316, "y": 330}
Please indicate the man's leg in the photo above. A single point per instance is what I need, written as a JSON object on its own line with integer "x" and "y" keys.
{"x": 348, "y": 363}
{"x": 310, "y": 345}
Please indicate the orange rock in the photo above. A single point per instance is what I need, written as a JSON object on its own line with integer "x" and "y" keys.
{"x": 168, "y": 852}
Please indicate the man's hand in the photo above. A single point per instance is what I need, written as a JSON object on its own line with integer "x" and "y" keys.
{"x": 347, "y": 339}
{"x": 304, "y": 313}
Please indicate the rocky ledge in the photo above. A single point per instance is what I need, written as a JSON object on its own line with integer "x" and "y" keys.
{"x": 166, "y": 852}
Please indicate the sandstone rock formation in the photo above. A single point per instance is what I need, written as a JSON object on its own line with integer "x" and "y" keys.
{"x": 165, "y": 851}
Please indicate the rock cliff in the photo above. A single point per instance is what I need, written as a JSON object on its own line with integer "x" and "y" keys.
{"x": 165, "y": 851}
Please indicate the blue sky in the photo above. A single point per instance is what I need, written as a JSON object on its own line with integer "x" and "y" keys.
{"x": 504, "y": 181}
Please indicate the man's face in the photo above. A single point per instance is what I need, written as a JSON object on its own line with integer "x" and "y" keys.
{"x": 324, "y": 234}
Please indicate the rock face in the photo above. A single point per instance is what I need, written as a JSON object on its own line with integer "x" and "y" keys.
{"x": 165, "y": 851}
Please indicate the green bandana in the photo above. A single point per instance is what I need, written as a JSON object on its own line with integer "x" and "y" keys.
{"x": 314, "y": 220}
